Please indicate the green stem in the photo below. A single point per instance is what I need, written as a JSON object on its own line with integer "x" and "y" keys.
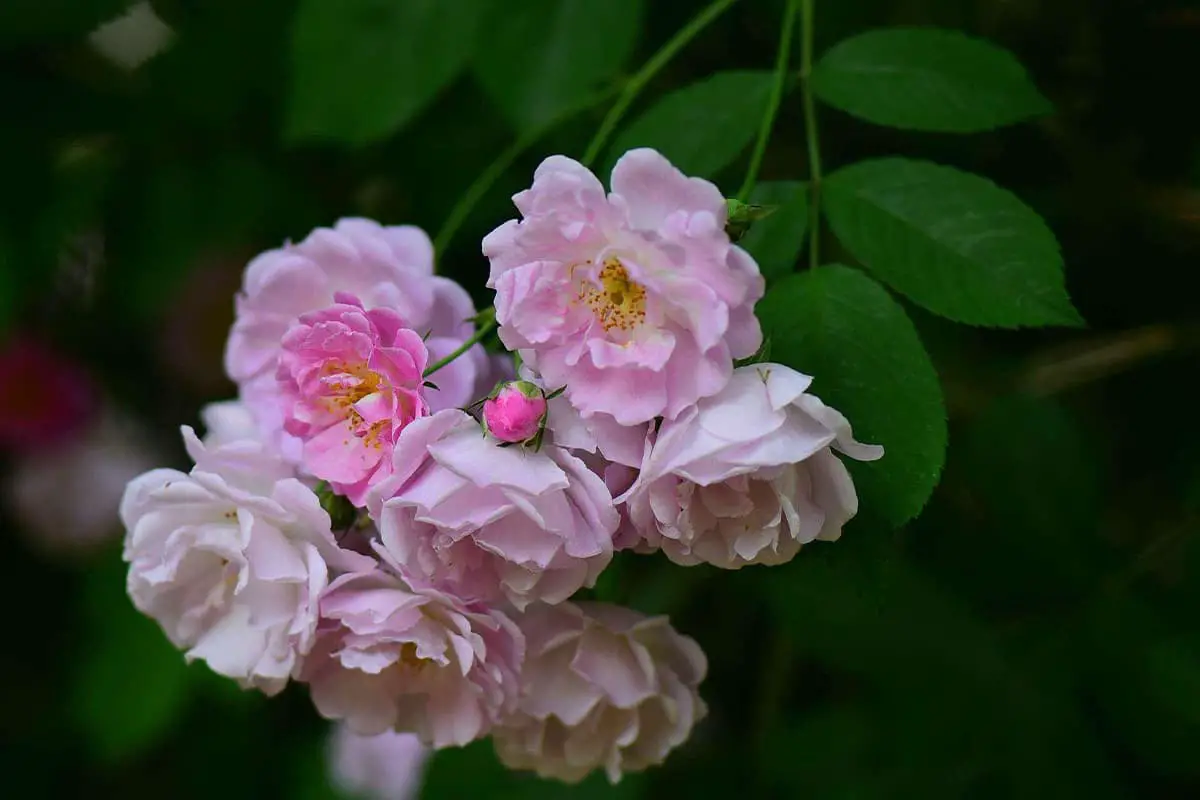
{"x": 647, "y": 72}
{"x": 768, "y": 122}
{"x": 810, "y": 133}
{"x": 488, "y": 323}
{"x": 476, "y": 191}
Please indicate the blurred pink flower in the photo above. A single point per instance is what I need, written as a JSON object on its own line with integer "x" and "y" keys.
{"x": 603, "y": 687}
{"x": 65, "y": 498}
{"x": 385, "y": 267}
{"x": 636, "y": 301}
{"x": 747, "y": 476}
{"x": 387, "y": 766}
{"x": 45, "y": 399}
{"x": 230, "y": 559}
{"x": 390, "y": 656}
{"x": 489, "y": 522}
{"x": 352, "y": 381}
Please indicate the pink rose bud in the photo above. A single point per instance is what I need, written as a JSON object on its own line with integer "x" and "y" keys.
{"x": 515, "y": 412}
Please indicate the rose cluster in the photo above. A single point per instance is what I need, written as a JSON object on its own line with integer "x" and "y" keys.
{"x": 350, "y": 523}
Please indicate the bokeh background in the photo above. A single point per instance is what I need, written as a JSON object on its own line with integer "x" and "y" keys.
{"x": 1034, "y": 633}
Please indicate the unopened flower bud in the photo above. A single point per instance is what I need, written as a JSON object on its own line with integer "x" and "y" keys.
{"x": 515, "y": 412}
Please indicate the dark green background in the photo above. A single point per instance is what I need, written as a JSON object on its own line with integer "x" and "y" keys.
{"x": 1032, "y": 634}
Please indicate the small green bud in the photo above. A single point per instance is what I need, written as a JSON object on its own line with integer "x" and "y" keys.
{"x": 741, "y": 216}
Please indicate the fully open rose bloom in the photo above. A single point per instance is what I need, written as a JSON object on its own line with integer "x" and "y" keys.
{"x": 636, "y": 301}
{"x": 385, "y": 267}
{"x": 391, "y": 656}
{"x": 492, "y": 522}
{"x": 352, "y": 380}
{"x": 748, "y": 476}
{"x": 231, "y": 558}
{"x": 603, "y": 687}
{"x": 388, "y": 766}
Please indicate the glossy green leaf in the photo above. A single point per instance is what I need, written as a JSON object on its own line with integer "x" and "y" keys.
{"x": 361, "y": 69}
{"x": 927, "y": 79}
{"x": 951, "y": 241}
{"x": 540, "y": 57}
{"x": 845, "y": 330}
{"x": 776, "y": 242}
{"x": 701, "y": 128}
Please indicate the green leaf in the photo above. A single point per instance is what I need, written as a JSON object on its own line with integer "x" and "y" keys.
{"x": 131, "y": 684}
{"x": 542, "y": 56}
{"x": 845, "y": 330}
{"x": 953, "y": 242}
{"x": 703, "y": 127}
{"x": 1050, "y": 500}
{"x": 927, "y": 79}
{"x": 775, "y": 242}
{"x": 1037, "y": 505}
{"x": 361, "y": 69}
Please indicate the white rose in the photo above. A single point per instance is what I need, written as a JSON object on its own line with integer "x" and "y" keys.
{"x": 231, "y": 558}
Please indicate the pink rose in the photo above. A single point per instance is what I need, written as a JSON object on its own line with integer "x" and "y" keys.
{"x": 636, "y": 301}
{"x": 515, "y": 412}
{"x": 388, "y": 766}
{"x": 352, "y": 380}
{"x": 748, "y": 476}
{"x": 490, "y": 522}
{"x": 618, "y": 478}
{"x": 385, "y": 267}
{"x": 231, "y": 558}
{"x": 603, "y": 687}
{"x": 598, "y": 434}
{"x": 390, "y": 656}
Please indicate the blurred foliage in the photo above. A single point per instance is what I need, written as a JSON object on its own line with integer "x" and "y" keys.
{"x": 1032, "y": 633}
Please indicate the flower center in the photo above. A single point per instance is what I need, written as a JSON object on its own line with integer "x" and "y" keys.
{"x": 409, "y": 657}
{"x": 618, "y": 303}
{"x": 348, "y": 385}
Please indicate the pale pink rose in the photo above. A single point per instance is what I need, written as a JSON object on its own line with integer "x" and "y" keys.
{"x": 603, "y": 687}
{"x": 230, "y": 559}
{"x": 226, "y": 422}
{"x": 490, "y": 522}
{"x": 515, "y": 412}
{"x": 748, "y": 476}
{"x": 385, "y": 267}
{"x": 618, "y": 478}
{"x": 391, "y": 656}
{"x": 598, "y": 434}
{"x": 636, "y": 301}
{"x": 352, "y": 380}
{"x": 388, "y": 766}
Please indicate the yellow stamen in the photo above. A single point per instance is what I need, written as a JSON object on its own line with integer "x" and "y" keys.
{"x": 618, "y": 303}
